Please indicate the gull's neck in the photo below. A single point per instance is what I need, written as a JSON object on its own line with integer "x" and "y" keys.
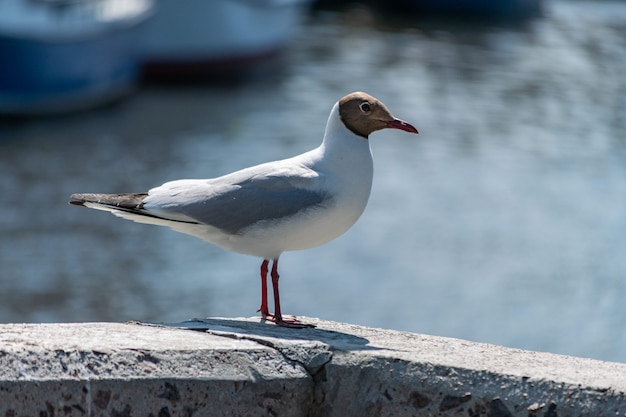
{"x": 339, "y": 140}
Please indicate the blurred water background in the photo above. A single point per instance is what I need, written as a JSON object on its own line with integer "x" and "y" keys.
{"x": 503, "y": 222}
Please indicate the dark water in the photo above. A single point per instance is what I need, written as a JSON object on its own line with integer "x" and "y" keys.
{"x": 503, "y": 222}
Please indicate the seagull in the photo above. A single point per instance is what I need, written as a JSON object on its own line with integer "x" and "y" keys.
{"x": 267, "y": 209}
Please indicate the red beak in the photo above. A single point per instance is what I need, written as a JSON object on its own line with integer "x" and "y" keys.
{"x": 402, "y": 125}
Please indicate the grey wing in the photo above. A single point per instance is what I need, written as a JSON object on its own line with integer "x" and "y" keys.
{"x": 240, "y": 205}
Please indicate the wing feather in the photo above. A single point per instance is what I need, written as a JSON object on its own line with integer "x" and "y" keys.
{"x": 234, "y": 202}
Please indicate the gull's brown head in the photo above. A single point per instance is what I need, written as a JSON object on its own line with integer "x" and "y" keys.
{"x": 364, "y": 114}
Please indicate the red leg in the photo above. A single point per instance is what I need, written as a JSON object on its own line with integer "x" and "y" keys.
{"x": 265, "y": 313}
{"x": 278, "y": 317}
{"x": 277, "y": 313}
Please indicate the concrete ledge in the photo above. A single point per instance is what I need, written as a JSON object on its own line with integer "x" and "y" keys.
{"x": 240, "y": 367}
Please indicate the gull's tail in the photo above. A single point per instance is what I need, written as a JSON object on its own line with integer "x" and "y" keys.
{"x": 129, "y": 207}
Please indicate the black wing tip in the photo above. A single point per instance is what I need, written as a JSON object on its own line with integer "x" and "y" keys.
{"x": 131, "y": 201}
{"x": 77, "y": 200}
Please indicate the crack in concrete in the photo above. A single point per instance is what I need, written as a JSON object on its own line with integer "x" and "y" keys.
{"x": 315, "y": 366}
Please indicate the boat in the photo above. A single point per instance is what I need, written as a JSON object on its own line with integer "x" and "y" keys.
{"x": 200, "y": 40}
{"x": 481, "y": 9}
{"x": 454, "y": 10}
{"x": 66, "y": 55}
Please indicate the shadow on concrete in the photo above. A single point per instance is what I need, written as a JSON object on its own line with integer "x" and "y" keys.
{"x": 260, "y": 329}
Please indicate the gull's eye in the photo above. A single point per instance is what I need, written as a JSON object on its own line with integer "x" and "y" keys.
{"x": 365, "y": 107}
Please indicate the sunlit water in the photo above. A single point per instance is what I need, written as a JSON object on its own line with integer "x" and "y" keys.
{"x": 503, "y": 222}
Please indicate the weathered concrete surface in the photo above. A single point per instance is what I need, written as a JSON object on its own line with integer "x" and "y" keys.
{"x": 241, "y": 367}
{"x": 108, "y": 369}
